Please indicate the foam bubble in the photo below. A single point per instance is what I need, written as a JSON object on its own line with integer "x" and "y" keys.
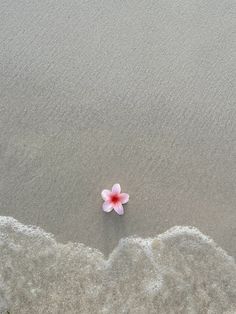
{"x": 179, "y": 271}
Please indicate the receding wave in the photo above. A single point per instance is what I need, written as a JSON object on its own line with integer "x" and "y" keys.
{"x": 179, "y": 271}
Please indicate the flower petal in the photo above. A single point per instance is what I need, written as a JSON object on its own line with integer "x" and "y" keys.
{"x": 105, "y": 194}
{"x": 119, "y": 209}
{"x": 116, "y": 188}
{"x": 107, "y": 207}
{"x": 124, "y": 198}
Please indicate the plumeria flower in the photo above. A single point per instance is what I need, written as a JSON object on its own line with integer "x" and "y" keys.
{"x": 114, "y": 199}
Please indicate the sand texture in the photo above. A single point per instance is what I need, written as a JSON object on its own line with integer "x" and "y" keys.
{"x": 136, "y": 92}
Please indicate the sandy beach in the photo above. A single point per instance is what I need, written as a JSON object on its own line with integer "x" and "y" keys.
{"x": 139, "y": 93}
{"x": 98, "y": 92}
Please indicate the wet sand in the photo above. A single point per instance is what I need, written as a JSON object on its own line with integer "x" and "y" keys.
{"x": 141, "y": 93}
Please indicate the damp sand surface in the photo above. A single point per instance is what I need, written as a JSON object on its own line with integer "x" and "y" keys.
{"x": 139, "y": 92}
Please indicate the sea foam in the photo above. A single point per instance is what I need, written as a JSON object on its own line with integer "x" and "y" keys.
{"x": 179, "y": 271}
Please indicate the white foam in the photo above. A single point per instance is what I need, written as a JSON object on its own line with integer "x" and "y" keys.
{"x": 179, "y": 271}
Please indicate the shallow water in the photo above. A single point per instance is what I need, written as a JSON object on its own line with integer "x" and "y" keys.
{"x": 179, "y": 271}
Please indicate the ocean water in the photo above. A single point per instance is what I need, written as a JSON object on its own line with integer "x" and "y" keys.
{"x": 179, "y": 271}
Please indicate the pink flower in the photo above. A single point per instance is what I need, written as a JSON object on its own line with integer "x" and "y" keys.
{"x": 114, "y": 199}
